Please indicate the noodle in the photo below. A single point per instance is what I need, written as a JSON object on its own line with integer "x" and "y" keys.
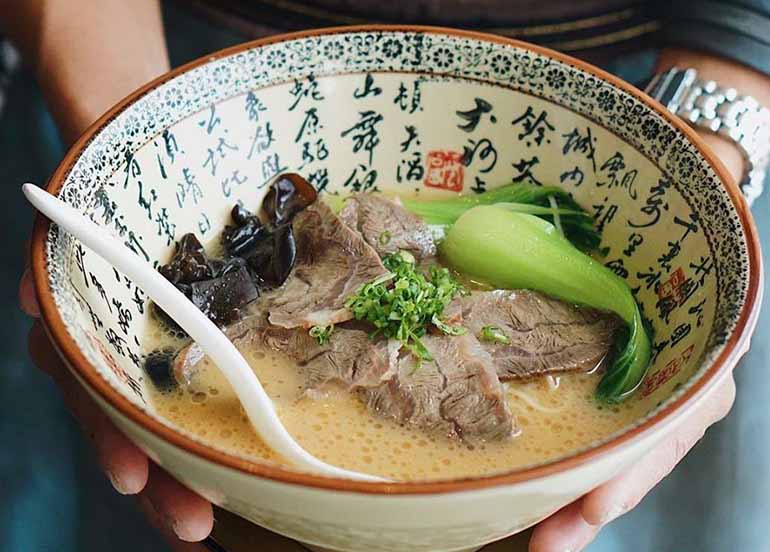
{"x": 525, "y": 397}
{"x": 553, "y": 381}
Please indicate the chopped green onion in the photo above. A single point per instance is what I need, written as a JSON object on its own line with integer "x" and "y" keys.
{"x": 322, "y": 334}
{"x": 404, "y": 303}
{"x": 446, "y": 328}
{"x": 385, "y": 237}
{"x": 494, "y": 334}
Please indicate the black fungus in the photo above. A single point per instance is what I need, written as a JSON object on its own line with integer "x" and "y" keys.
{"x": 284, "y": 253}
{"x": 189, "y": 263}
{"x": 243, "y": 240}
{"x": 231, "y": 265}
{"x": 240, "y": 214}
{"x": 221, "y": 299}
{"x": 288, "y": 195}
{"x": 259, "y": 254}
{"x": 269, "y": 248}
{"x": 159, "y": 368}
{"x": 277, "y": 258}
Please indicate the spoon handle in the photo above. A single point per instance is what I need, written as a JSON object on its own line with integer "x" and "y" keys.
{"x": 257, "y": 404}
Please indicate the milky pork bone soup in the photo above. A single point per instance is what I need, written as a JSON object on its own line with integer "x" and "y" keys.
{"x": 407, "y": 338}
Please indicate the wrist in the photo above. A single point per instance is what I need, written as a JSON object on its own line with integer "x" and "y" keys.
{"x": 727, "y": 74}
{"x": 748, "y": 81}
{"x": 727, "y": 152}
{"x": 86, "y": 59}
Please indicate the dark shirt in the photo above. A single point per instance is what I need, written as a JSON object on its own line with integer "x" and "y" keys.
{"x": 591, "y": 29}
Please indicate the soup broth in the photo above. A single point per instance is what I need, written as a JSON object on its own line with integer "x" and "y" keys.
{"x": 376, "y": 358}
{"x": 335, "y": 426}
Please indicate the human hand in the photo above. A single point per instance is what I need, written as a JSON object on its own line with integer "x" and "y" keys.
{"x": 86, "y": 60}
{"x": 181, "y": 516}
{"x": 573, "y": 527}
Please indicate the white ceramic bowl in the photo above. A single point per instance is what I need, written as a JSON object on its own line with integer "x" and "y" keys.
{"x": 433, "y": 111}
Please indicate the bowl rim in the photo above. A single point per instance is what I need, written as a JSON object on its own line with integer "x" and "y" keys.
{"x": 87, "y": 374}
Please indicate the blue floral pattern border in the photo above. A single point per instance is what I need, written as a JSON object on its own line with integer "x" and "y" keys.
{"x": 416, "y": 52}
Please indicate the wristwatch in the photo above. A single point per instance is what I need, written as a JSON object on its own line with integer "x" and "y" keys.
{"x": 708, "y": 106}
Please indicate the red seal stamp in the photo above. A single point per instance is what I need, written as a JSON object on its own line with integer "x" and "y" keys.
{"x": 673, "y": 286}
{"x": 444, "y": 170}
{"x": 654, "y": 381}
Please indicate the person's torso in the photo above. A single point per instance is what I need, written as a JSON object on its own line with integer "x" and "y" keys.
{"x": 586, "y": 27}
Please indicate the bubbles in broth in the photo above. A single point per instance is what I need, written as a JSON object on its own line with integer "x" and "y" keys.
{"x": 472, "y": 343}
{"x": 336, "y": 427}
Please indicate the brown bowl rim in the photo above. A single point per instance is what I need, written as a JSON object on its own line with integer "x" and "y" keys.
{"x": 77, "y": 361}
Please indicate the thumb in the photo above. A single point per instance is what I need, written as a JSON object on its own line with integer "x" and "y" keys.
{"x": 623, "y": 493}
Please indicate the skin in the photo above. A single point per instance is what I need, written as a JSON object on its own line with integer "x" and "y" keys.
{"x": 122, "y": 46}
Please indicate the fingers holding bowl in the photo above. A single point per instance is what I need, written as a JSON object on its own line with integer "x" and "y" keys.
{"x": 565, "y": 531}
{"x": 159, "y": 522}
{"x": 623, "y": 493}
{"x": 189, "y": 516}
{"x": 172, "y": 506}
{"x": 27, "y": 298}
{"x": 125, "y": 465}
{"x": 576, "y": 525}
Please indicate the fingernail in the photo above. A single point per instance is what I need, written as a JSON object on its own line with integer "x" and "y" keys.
{"x": 117, "y": 484}
{"x": 613, "y": 513}
{"x": 167, "y": 520}
{"x": 176, "y": 528}
{"x": 181, "y": 530}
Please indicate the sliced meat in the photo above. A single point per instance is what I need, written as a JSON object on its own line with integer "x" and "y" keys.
{"x": 387, "y": 226}
{"x": 332, "y": 263}
{"x": 546, "y": 336}
{"x": 350, "y": 357}
{"x": 222, "y": 299}
{"x": 457, "y": 394}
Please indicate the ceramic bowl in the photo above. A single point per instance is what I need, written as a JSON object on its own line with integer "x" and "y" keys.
{"x": 411, "y": 110}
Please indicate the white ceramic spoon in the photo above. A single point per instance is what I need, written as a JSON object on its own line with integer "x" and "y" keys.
{"x": 240, "y": 376}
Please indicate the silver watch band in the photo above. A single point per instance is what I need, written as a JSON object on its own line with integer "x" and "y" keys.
{"x": 706, "y": 105}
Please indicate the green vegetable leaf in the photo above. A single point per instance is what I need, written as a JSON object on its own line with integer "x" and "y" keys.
{"x": 578, "y": 225}
{"x": 493, "y": 334}
{"x": 405, "y": 302}
{"x": 515, "y": 250}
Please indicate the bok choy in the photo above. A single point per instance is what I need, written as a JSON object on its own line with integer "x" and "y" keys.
{"x": 548, "y": 202}
{"x": 512, "y": 248}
